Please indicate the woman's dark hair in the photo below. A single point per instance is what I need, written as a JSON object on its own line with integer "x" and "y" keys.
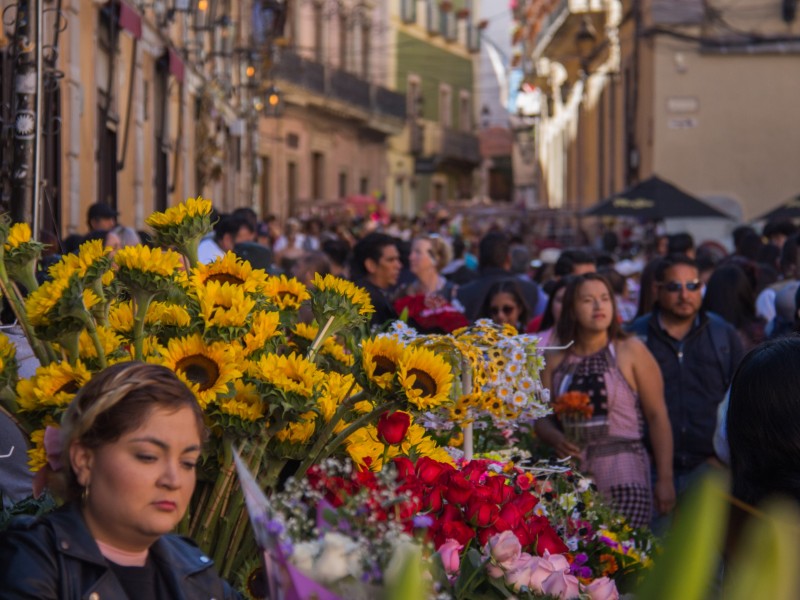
{"x": 647, "y": 280}
{"x": 118, "y": 400}
{"x": 730, "y": 295}
{"x": 567, "y": 328}
{"x": 763, "y": 422}
{"x": 549, "y": 320}
{"x": 507, "y": 286}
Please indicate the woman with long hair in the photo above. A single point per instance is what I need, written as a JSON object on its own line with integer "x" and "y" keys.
{"x": 730, "y": 295}
{"x": 620, "y": 386}
{"x": 505, "y": 305}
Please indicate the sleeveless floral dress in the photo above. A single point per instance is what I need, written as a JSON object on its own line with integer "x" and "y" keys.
{"x": 613, "y": 452}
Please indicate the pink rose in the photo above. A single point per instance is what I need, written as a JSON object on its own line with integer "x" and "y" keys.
{"x": 559, "y": 561}
{"x": 542, "y": 570}
{"x": 450, "y": 557}
{"x": 504, "y": 548}
{"x": 562, "y": 586}
{"x": 602, "y": 589}
{"x": 520, "y": 574}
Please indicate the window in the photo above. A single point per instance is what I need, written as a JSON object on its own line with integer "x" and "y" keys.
{"x": 464, "y": 111}
{"x": 317, "y": 175}
{"x": 319, "y": 29}
{"x": 343, "y": 42}
{"x": 414, "y": 97}
{"x": 363, "y": 186}
{"x": 445, "y": 104}
{"x": 408, "y": 11}
{"x": 342, "y": 184}
{"x": 266, "y": 183}
{"x": 291, "y": 183}
{"x": 366, "y": 49}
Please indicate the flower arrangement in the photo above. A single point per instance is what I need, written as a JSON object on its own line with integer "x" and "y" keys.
{"x": 489, "y": 529}
{"x": 573, "y": 409}
{"x": 431, "y": 313}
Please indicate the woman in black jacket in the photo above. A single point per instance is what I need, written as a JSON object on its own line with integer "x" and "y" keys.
{"x": 128, "y": 446}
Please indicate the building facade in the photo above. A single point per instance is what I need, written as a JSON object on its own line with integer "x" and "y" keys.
{"x": 699, "y": 93}
{"x": 432, "y": 60}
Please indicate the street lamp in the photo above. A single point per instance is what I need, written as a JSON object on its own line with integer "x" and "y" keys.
{"x": 585, "y": 39}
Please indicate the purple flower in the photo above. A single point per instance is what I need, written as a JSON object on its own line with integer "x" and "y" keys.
{"x": 422, "y": 521}
{"x": 274, "y": 527}
{"x": 580, "y": 559}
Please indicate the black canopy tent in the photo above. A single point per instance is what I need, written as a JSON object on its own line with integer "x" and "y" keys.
{"x": 788, "y": 210}
{"x": 653, "y": 199}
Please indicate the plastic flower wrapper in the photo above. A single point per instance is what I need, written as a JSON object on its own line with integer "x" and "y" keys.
{"x": 183, "y": 226}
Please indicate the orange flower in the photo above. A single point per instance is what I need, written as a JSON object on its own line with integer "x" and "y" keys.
{"x": 573, "y": 404}
{"x": 608, "y": 564}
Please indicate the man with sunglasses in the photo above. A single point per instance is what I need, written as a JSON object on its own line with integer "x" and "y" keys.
{"x": 697, "y": 353}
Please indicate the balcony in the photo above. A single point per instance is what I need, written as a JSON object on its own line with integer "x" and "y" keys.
{"x": 450, "y": 146}
{"x": 558, "y": 29}
{"x": 341, "y": 93}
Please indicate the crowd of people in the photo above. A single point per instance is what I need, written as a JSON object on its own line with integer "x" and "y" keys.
{"x": 656, "y": 341}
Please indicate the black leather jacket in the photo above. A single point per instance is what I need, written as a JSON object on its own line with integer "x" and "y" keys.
{"x": 55, "y": 557}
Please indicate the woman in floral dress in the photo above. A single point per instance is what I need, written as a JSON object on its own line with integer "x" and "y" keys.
{"x": 624, "y": 387}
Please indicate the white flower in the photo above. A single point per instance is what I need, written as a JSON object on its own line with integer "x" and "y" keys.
{"x": 340, "y": 557}
{"x": 567, "y": 502}
{"x": 583, "y": 484}
{"x": 303, "y": 555}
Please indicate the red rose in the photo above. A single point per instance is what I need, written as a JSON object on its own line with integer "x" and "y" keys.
{"x": 482, "y": 493}
{"x": 433, "y": 500}
{"x": 475, "y": 468}
{"x": 548, "y": 540}
{"x": 481, "y": 514}
{"x": 510, "y": 517}
{"x": 404, "y": 466}
{"x": 456, "y": 530}
{"x": 392, "y": 427}
{"x": 429, "y": 470}
{"x": 524, "y": 535}
{"x": 450, "y": 513}
{"x": 501, "y": 492}
{"x": 525, "y": 503}
{"x": 524, "y": 482}
{"x": 459, "y": 489}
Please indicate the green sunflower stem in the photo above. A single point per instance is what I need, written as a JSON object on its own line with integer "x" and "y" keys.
{"x": 11, "y": 292}
{"x": 189, "y": 250}
{"x": 142, "y": 301}
{"x": 25, "y": 276}
{"x": 319, "y": 340}
{"x": 362, "y": 421}
{"x": 69, "y": 341}
{"x": 326, "y": 432}
{"x": 206, "y": 532}
{"x": 91, "y": 329}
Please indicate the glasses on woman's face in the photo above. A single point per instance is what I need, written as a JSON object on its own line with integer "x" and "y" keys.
{"x": 506, "y": 309}
{"x": 677, "y": 286}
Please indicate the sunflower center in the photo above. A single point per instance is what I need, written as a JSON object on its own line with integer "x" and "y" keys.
{"x": 69, "y": 387}
{"x": 199, "y": 369}
{"x": 225, "y": 278}
{"x": 423, "y": 382}
{"x": 383, "y": 365}
{"x": 286, "y": 294}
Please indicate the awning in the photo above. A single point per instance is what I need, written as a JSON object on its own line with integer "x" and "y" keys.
{"x": 129, "y": 19}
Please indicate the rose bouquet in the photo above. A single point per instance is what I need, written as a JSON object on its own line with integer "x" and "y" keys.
{"x": 489, "y": 529}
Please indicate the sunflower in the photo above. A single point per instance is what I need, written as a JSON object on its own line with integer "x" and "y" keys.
{"x": 291, "y": 374}
{"x": 245, "y": 403}
{"x": 426, "y": 378}
{"x": 330, "y": 346}
{"x": 8, "y": 360}
{"x": 54, "y": 385}
{"x": 37, "y": 455}
{"x": 300, "y": 431}
{"x": 206, "y": 368}
{"x": 285, "y": 293}
{"x": 229, "y": 269}
{"x": 40, "y": 303}
{"x": 183, "y": 226}
{"x": 335, "y": 389}
{"x": 18, "y": 234}
{"x": 380, "y": 359}
{"x": 167, "y": 315}
{"x": 20, "y": 254}
{"x": 109, "y": 340}
{"x": 224, "y": 305}
{"x": 334, "y": 295}
{"x": 149, "y": 270}
{"x": 366, "y": 451}
{"x": 417, "y": 443}
{"x": 263, "y": 327}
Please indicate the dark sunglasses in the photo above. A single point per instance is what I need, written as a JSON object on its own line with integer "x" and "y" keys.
{"x": 677, "y": 286}
{"x": 506, "y": 309}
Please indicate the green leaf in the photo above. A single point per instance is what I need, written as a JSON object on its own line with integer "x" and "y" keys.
{"x": 689, "y": 562}
{"x": 409, "y": 582}
{"x": 766, "y": 557}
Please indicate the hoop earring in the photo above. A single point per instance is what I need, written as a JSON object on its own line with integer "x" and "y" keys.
{"x": 85, "y": 494}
